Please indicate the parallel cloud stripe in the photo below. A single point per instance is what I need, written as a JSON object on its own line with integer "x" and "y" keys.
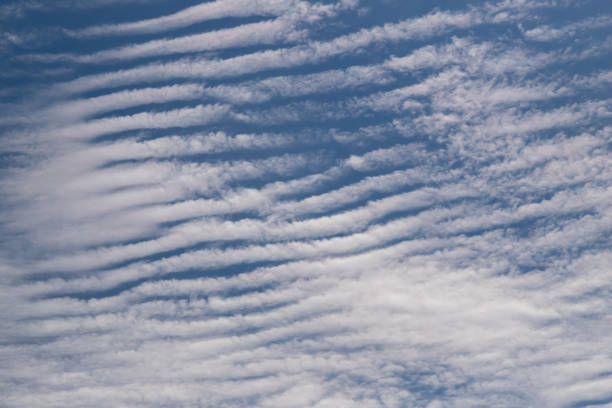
{"x": 305, "y": 203}
{"x": 201, "y": 12}
{"x": 430, "y": 25}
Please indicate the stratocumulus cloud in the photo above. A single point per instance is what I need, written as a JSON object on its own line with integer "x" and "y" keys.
{"x": 305, "y": 204}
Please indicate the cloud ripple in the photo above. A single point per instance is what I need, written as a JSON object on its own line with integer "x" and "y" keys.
{"x": 325, "y": 204}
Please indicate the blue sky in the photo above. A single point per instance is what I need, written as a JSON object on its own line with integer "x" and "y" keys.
{"x": 291, "y": 203}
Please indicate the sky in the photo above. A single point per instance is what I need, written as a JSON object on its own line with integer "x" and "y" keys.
{"x": 305, "y": 203}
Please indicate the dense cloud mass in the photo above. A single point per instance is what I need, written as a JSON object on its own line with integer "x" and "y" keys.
{"x": 302, "y": 203}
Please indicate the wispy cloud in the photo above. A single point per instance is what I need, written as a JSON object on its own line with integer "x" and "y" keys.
{"x": 547, "y": 33}
{"x": 195, "y": 14}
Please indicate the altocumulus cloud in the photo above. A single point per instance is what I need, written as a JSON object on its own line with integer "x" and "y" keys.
{"x": 306, "y": 203}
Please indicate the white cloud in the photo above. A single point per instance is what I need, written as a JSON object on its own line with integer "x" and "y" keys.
{"x": 423, "y": 229}
{"x": 429, "y": 25}
{"x": 198, "y": 13}
{"x": 546, "y": 33}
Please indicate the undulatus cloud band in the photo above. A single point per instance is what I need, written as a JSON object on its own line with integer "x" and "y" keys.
{"x": 286, "y": 203}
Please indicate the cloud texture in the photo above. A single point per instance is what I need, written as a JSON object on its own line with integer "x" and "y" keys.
{"x": 306, "y": 204}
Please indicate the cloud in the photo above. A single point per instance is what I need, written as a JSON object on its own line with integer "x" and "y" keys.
{"x": 198, "y": 13}
{"x": 429, "y": 25}
{"x": 547, "y": 33}
{"x": 397, "y": 209}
